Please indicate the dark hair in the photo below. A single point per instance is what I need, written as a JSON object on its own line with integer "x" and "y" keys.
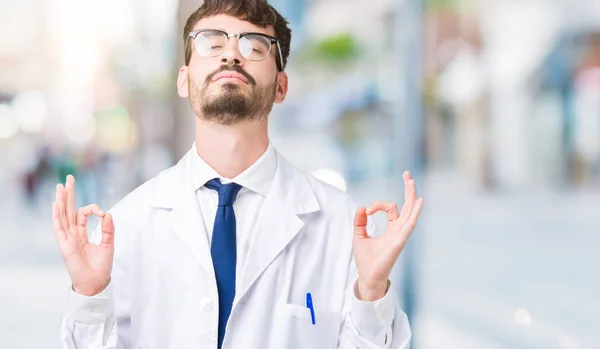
{"x": 257, "y": 12}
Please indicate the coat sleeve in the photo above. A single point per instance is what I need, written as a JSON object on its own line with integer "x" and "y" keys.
{"x": 101, "y": 321}
{"x": 371, "y": 325}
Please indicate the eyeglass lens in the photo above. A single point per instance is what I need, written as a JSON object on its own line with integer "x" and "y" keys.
{"x": 251, "y": 46}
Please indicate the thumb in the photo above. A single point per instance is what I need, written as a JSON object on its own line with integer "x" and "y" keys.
{"x": 360, "y": 223}
{"x": 108, "y": 229}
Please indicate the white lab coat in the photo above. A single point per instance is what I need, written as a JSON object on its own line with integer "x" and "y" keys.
{"x": 163, "y": 290}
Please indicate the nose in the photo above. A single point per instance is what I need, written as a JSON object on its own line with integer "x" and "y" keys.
{"x": 232, "y": 55}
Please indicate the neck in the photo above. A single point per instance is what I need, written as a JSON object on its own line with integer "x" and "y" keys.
{"x": 231, "y": 149}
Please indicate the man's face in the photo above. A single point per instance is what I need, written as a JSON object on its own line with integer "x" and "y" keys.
{"x": 228, "y": 89}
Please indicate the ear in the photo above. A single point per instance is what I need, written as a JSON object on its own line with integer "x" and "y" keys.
{"x": 182, "y": 82}
{"x": 282, "y": 87}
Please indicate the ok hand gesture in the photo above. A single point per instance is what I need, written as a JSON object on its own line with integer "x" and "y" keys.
{"x": 375, "y": 256}
{"x": 89, "y": 265}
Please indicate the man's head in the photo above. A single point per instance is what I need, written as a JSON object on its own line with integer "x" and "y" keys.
{"x": 235, "y": 54}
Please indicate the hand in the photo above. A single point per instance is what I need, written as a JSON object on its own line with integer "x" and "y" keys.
{"x": 89, "y": 265}
{"x": 375, "y": 256}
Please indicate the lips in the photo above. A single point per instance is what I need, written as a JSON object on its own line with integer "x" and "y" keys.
{"x": 230, "y": 75}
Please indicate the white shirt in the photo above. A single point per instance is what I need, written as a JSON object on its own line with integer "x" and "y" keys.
{"x": 255, "y": 181}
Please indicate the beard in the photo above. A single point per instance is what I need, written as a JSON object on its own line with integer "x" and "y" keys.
{"x": 232, "y": 103}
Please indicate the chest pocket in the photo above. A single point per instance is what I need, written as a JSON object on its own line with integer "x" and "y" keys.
{"x": 294, "y": 328}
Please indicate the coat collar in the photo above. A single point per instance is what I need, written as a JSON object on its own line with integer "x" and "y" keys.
{"x": 290, "y": 186}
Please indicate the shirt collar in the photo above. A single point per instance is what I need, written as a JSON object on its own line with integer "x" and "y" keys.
{"x": 258, "y": 177}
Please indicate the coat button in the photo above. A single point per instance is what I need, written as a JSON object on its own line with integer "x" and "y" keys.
{"x": 207, "y": 304}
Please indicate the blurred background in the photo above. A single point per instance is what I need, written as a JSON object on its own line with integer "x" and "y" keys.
{"x": 494, "y": 105}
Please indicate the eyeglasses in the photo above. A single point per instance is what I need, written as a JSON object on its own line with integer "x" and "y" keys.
{"x": 252, "y": 46}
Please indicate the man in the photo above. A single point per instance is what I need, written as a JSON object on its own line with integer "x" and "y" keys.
{"x": 233, "y": 247}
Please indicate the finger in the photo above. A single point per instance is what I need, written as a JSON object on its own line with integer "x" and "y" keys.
{"x": 411, "y": 223}
{"x": 84, "y": 212}
{"x": 60, "y": 204}
{"x": 406, "y": 176}
{"x": 55, "y": 209}
{"x": 59, "y": 233}
{"x": 389, "y": 207}
{"x": 360, "y": 223}
{"x": 70, "y": 189}
{"x": 82, "y": 218}
{"x": 410, "y": 194}
{"x": 405, "y": 179}
{"x": 108, "y": 229}
{"x": 413, "y": 190}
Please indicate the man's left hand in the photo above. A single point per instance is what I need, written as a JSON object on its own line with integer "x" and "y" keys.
{"x": 375, "y": 256}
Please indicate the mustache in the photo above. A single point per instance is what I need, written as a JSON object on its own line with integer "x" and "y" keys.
{"x": 234, "y": 68}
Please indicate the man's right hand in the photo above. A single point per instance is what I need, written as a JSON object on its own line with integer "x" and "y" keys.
{"x": 89, "y": 265}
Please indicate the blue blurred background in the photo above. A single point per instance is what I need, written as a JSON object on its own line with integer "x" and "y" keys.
{"x": 494, "y": 105}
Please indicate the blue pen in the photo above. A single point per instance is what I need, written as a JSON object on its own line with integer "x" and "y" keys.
{"x": 309, "y": 305}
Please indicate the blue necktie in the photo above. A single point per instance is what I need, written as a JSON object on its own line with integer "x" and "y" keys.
{"x": 223, "y": 250}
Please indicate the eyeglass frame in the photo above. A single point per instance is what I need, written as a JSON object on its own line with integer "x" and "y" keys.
{"x": 273, "y": 40}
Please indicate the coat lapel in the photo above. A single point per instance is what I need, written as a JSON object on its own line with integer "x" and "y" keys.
{"x": 176, "y": 192}
{"x": 278, "y": 223}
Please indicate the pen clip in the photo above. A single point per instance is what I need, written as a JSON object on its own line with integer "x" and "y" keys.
{"x": 309, "y": 305}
